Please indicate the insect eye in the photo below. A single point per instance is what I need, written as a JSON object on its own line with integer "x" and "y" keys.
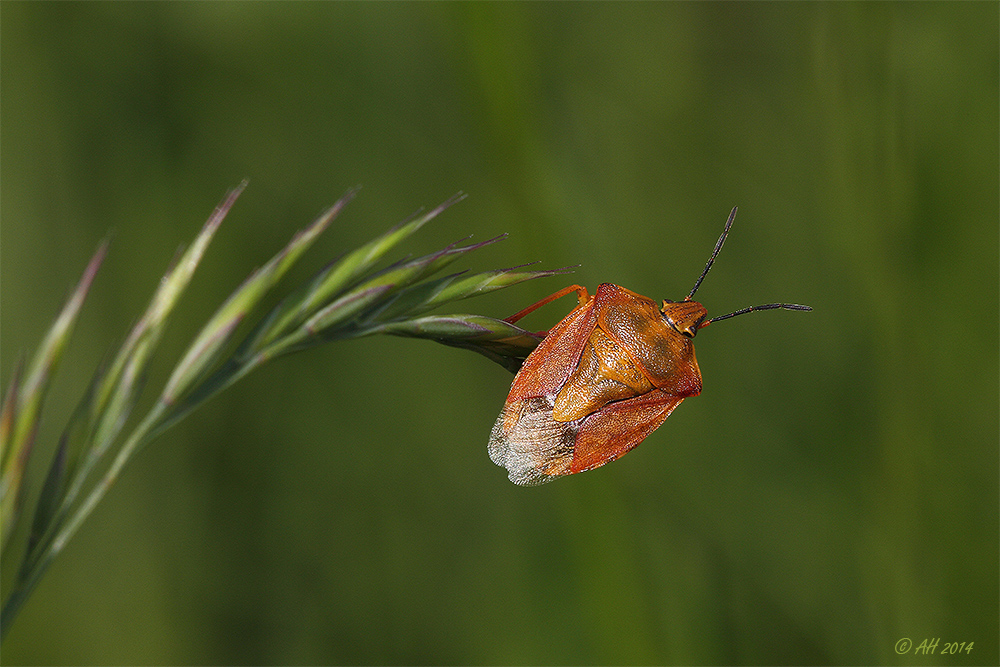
{"x": 689, "y": 331}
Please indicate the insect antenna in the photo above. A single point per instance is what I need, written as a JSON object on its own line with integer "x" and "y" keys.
{"x": 715, "y": 253}
{"x": 750, "y": 309}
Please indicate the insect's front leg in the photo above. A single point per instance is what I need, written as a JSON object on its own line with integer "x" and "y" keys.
{"x": 582, "y": 297}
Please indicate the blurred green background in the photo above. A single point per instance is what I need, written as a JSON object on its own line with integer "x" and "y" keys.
{"x": 834, "y": 489}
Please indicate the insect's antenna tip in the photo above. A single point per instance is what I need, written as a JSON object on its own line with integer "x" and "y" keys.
{"x": 715, "y": 253}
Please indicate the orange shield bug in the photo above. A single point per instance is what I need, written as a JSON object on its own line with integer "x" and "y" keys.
{"x": 603, "y": 379}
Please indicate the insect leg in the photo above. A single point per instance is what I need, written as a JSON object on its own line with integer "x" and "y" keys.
{"x": 582, "y": 296}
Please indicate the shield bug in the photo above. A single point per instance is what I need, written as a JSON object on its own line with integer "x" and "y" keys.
{"x": 603, "y": 379}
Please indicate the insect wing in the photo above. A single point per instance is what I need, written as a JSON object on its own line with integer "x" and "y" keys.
{"x": 536, "y": 449}
{"x": 525, "y": 440}
{"x": 618, "y": 427}
{"x": 545, "y": 370}
{"x": 533, "y": 447}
